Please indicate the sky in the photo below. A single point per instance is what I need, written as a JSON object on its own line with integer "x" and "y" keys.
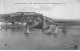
{"x": 68, "y": 9}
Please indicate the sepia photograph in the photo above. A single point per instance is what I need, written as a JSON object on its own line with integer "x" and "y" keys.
{"x": 39, "y": 24}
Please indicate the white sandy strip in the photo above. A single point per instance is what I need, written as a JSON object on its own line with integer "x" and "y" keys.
{"x": 2, "y": 24}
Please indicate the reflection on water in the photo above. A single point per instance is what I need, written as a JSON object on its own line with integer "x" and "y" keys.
{"x": 36, "y": 40}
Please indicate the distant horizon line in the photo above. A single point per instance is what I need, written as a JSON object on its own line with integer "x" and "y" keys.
{"x": 44, "y": 15}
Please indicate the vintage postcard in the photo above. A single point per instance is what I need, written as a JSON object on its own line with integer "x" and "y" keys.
{"x": 39, "y": 24}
